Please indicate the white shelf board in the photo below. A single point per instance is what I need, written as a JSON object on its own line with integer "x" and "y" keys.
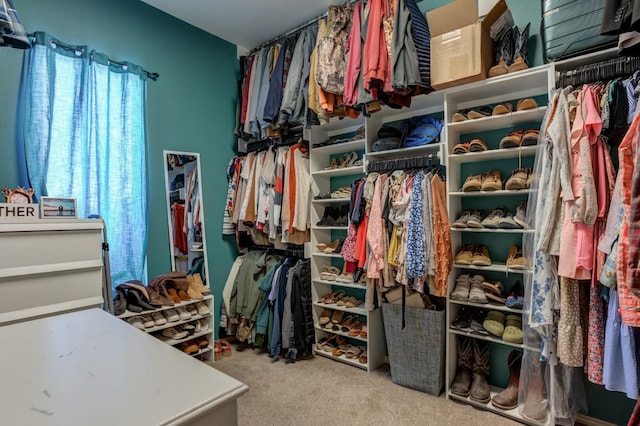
{"x": 340, "y": 171}
{"x": 493, "y": 154}
{"x": 333, "y": 306}
{"x": 175, "y": 323}
{"x": 420, "y": 105}
{"x": 340, "y": 333}
{"x": 174, "y": 342}
{"x": 494, "y": 306}
{"x": 332, "y": 201}
{"x": 502, "y": 192}
{"x": 335, "y": 124}
{"x": 330, "y": 227}
{"x": 341, "y": 358}
{"x": 336, "y": 148}
{"x": 490, "y": 338}
{"x": 492, "y": 231}
{"x": 333, "y": 255}
{"x": 493, "y": 122}
{"x": 414, "y": 151}
{"x": 342, "y": 284}
{"x": 495, "y": 266}
{"x": 202, "y": 351}
{"x": 512, "y": 414}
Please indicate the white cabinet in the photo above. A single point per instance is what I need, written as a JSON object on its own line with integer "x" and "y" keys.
{"x": 50, "y": 266}
{"x": 533, "y": 83}
{"x": 196, "y": 335}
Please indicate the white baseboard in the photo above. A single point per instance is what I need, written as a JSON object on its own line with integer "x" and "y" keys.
{"x": 591, "y": 421}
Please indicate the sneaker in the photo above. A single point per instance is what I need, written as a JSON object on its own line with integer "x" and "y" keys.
{"x": 461, "y": 290}
{"x": 492, "y": 181}
{"x": 173, "y": 333}
{"x": 171, "y": 315}
{"x": 189, "y": 328}
{"x": 493, "y": 220}
{"x": 158, "y": 318}
{"x": 465, "y": 255}
{"x": 461, "y": 220}
{"x": 521, "y": 213}
{"x": 508, "y": 222}
{"x": 475, "y": 219}
{"x": 476, "y": 294}
{"x": 136, "y": 322}
{"x": 202, "y": 308}
{"x": 182, "y": 313}
{"x": 472, "y": 183}
{"x": 481, "y": 256}
{"x": 517, "y": 180}
{"x": 192, "y": 309}
{"x": 147, "y": 321}
{"x": 204, "y": 324}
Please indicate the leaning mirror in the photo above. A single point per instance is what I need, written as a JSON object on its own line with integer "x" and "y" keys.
{"x": 185, "y": 213}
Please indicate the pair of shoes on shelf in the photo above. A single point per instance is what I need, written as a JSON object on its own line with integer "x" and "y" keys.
{"x": 329, "y": 273}
{"x": 347, "y": 160}
{"x": 498, "y": 218}
{"x": 507, "y": 327}
{"x": 342, "y": 192}
{"x": 472, "y": 254}
{"x": 521, "y": 178}
{"x": 472, "y": 371}
{"x": 474, "y": 145}
{"x": 491, "y": 181}
{"x": 515, "y": 260}
{"x": 469, "y": 289}
{"x": 332, "y": 247}
{"x": 192, "y": 347}
{"x": 335, "y": 216}
{"x": 519, "y": 137}
{"x": 511, "y": 52}
{"x": 498, "y": 109}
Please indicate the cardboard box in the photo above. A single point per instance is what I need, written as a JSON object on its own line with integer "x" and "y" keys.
{"x": 461, "y": 48}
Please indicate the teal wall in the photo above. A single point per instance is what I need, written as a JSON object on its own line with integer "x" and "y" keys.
{"x": 191, "y": 107}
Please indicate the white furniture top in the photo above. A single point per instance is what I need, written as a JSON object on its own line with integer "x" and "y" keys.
{"x": 91, "y": 368}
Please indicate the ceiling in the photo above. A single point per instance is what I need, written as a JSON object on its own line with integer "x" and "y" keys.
{"x": 245, "y": 23}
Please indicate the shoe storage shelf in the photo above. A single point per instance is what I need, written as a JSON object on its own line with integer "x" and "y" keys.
{"x": 533, "y": 83}
{"x": 176, "y": 321}
{"x": 333, "y": 168}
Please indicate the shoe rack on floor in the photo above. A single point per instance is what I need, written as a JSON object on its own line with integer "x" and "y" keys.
{"x": 205, "y": 354}
{"x": 532, "y": 83}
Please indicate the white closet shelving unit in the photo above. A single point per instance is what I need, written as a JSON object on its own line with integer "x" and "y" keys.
{"x": 321, "y": 179}
{"x": 534, "y": 82}
{"x": 157, "y": 330}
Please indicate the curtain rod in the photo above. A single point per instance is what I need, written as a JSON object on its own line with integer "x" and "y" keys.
{"x": 152, "y": 75}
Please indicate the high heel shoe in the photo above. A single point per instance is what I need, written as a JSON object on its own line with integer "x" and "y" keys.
{"x": 330, "y": 248}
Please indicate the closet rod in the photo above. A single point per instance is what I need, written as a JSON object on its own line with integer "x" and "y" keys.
{"x": 294, "y": 30}
{"x": 404, "y": 163}
{"x": 599, "y": 71}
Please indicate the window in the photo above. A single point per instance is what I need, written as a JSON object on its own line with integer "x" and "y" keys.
{"x": 84, "y": 137}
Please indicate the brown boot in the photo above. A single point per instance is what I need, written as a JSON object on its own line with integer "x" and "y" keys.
{"x": 462, "y": 382}
{"x": 480, "y": 390}
{"x": 196, "y": 281}
{"x": 508, "y": 398}
{"x": 535, "y": 404}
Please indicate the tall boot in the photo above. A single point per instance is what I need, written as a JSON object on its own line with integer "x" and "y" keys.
{"x": 535, "y": 404}
{"x": 508, "y": 398}
{"x": 521, "y": 51}
{"x": 327, "y": 219}
{"x": 480, "y": 390}
{"x": 504, "y": 54}
{"x": 462, "y": 382}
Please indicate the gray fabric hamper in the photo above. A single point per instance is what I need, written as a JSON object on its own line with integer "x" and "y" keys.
{"x": 416, "y": 354}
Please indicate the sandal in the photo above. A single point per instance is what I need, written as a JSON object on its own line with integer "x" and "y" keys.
{"x": 501, "y": 109}
{"x": 337, "y": 316}
{"x": 481, "y": 112}
{"x": 352, "y": 302}
{"x": 494, "y": 291}
{"x": 330, "y": 248}
{"x": 362, "y": 359}
{"x": 226, "y": 348}
{"x": 526, "y": 103}
{"x": 217, "y": 350}
{"x": 461, "y": 148}
{"x": 477, "y": 145}
{"x": 356, "y": 328}
{"x": 363, "y": 332}
{"x": 346, "y": 325}
{"x": 329, "y": 273}
{"x": 327, "y": 344}
{"x": 354, "y": 352}
{"x": 325, "y": 317}
{"x": 341, "y": 349}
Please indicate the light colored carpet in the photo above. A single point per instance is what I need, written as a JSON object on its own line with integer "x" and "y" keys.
{"x": 324, "y": 392}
